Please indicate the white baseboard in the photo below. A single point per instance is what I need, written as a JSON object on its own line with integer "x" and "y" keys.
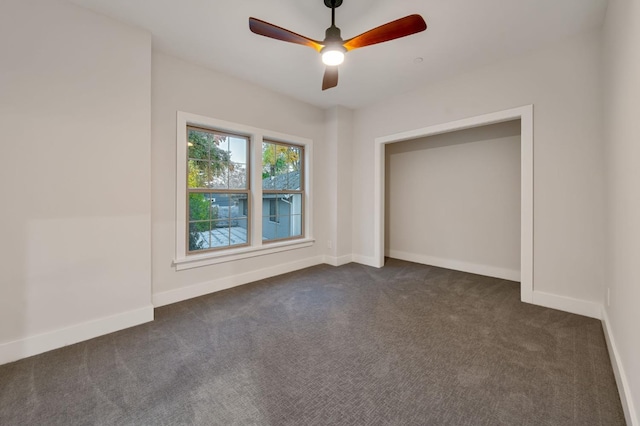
{"x": 630, "y": 413}
{"x": 365, "y": 260}
{"x": 473, "y": 268}
{"x": 200, "y": 289}
{"x": 568, "y": 304}
{"x": 338, "y": 261}
{"x": 34, "y": 345}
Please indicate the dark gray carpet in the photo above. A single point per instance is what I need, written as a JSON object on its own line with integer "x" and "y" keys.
{"x": 404, "y": 345}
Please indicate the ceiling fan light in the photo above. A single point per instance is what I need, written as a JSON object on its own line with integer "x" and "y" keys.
{"x": 333, "y": 57}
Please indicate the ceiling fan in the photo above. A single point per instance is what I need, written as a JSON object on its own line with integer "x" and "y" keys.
{"x": 333, "y": 47}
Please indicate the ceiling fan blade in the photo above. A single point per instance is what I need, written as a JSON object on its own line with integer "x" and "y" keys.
{"x": 390, "y": 31}
{"x": 266, "y": 29}
{"x": 330, "y": 78}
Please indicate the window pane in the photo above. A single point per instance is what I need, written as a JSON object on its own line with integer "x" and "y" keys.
{"x": 198, "y": 174}
{"x": 295, "y": 225}
{"x": 281, "y": 166}
{"x": 294, "y": 162}
{"x": 228, "y": 232}
{"x": 268, "y": 165}
{"x": 217, "y": 220}
{"x": 199, "y": 207}
{"x": 273, "y": 211}
{"x": 220, "y": 149}
{"x": 219, "y": 176}
{"x": 275, "y": 166}
{"x": 266, "y": 176}
{"x": 237, "y": 176}
{"x": 269, "y": 205}
{"x": 220, "y": 233}
{"x": 281, "y": 169}
{"x": 208, "y": 145}
{"x": 281, "y": 216}
{"x": 199, "y": 143}
{"x": 199, "y": 236}
{"x": 220, "y": 206}
{"x": 238, "y": 206}
{"x": 239, "y": 232}
{"x": 238, "y": 149}
{"x": 293, "y": 181}
{"x": 295, "y": 201}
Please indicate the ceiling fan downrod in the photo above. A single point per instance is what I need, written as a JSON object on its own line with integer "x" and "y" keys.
{"x": 333, "y": 33}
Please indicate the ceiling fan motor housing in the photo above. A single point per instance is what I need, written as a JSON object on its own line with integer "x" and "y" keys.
{"x": 332, "y": 35}
{"x": 332, "y": 3}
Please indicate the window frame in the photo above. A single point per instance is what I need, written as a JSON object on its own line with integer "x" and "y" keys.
{"x": 184, "y": 260}
{"x": 228, "y": 191}
{"x": 278, "y": 192}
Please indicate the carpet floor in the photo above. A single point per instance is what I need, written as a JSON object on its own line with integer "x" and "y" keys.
{"x": 406, "y": 344}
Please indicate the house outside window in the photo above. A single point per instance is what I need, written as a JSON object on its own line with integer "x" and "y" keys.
{"x": 273, "y": 210}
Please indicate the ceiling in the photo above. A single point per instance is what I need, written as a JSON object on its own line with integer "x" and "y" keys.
{"x": 461, "y": 35}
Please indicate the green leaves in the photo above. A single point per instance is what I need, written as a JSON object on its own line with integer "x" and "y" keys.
{"x": 278, "y": 159}
{"x": 206, "y": 158}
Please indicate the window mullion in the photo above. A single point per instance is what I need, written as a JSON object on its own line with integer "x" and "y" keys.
{"x": 256, "y": 190}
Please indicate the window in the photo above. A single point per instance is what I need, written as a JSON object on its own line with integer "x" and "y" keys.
{"x": 273, "y": 211}
{"x": 217, "y": 190}
{"x": 240, "y": 191}
{"x": 282, "y": 191}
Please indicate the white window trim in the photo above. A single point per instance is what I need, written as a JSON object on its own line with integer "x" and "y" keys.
{"x": 256, "y": 247}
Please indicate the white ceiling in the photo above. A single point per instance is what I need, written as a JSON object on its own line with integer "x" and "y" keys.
{"x": 461, "y": 35}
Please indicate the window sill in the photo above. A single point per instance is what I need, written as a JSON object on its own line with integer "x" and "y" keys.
{"x": 198, "y": 260}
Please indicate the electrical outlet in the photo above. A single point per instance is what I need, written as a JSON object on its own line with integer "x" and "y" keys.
{"x": 329, "y": 244}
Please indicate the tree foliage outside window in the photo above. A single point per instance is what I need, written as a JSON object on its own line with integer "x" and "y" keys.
{"x": 278, "y": 159}
{"x": 206, "y": 159}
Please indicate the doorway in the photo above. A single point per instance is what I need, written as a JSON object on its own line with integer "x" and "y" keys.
{"x": 525, "y": 115}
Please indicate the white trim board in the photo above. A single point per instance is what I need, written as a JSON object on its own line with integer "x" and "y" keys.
{"x": 630, "y": 413}
{"x": 200, "y": 289}
{"x": 34, "y": 345}
{"x": 567, "y": 304}
{"x": 457, "y": 265}
{"x": 525, "y": 115}
{"x": 338, "y": 261}
{"x": 232, "y": 255}
{"x": 366, "y": 260}
{"x": 547, "y": 300}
